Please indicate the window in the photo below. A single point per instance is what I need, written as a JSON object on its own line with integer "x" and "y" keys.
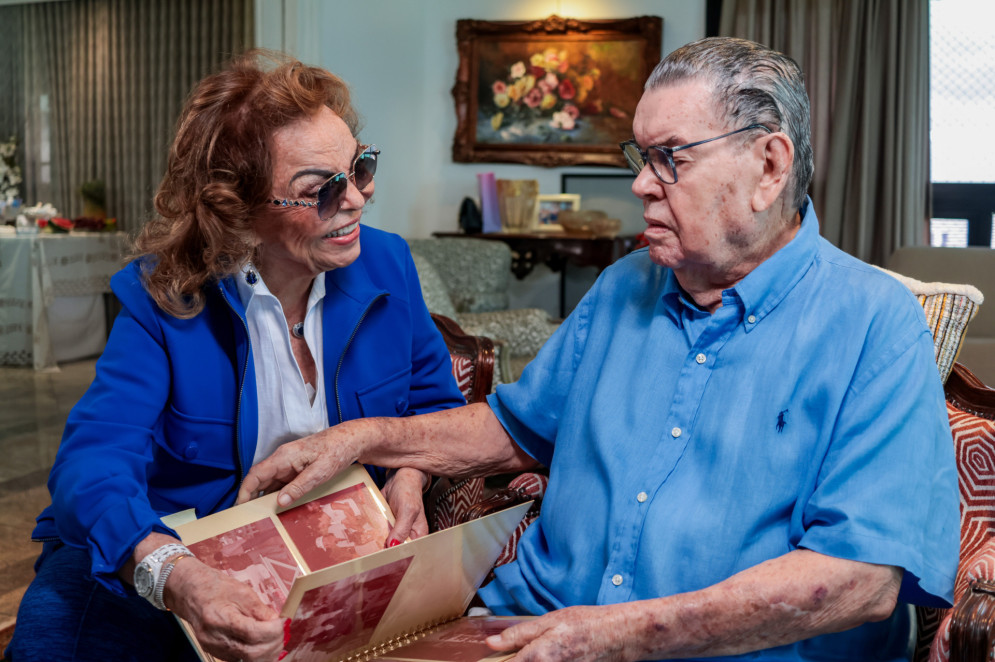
{"x": 962, "y": 143}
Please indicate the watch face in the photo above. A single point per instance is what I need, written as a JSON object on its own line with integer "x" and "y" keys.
{"x": 144, "y": 583}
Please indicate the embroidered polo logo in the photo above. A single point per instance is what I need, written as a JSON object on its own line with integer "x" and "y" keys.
{"x": 782, "y": 420}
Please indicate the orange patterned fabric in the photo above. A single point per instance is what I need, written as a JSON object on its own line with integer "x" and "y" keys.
{"x": 974, "y": 444}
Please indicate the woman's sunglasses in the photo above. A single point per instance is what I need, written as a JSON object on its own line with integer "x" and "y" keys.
{"x": 333, "y": 190}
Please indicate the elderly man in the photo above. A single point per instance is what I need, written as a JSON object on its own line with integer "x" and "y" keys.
{"x": 744, "y": 426}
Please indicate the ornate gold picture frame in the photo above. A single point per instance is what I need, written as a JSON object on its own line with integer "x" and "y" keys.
{"x": 552, "y": 92}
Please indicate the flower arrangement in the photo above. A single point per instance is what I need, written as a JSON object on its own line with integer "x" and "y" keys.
{"x": 10, "y": 172}
{"x": 551, "y": 88}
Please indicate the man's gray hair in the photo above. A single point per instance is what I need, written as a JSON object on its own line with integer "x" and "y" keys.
{"x": 754, "y": 85}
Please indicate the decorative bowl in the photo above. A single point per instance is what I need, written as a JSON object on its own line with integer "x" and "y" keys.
{"x": 588, "y": 223}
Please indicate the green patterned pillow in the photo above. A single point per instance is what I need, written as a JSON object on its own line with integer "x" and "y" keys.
{"x": 948, "y": 309}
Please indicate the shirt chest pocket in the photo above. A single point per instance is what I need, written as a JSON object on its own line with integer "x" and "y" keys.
{"x": 199, "y": 440}
{"x": 388, "y": 397}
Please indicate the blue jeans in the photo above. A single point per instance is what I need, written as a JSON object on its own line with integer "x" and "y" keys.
{"x": 67, "y": 615}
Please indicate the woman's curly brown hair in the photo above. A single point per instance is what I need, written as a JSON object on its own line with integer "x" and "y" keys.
{"x": 219, "y": 171}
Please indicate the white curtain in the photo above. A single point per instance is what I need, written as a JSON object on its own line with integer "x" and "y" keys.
{"x": 866, "y": 64}
{"x": 104, "y": 81}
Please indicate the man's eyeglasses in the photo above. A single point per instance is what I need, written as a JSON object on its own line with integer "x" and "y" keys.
{"x": 661, "y": 159}
{"x": 333, "y": 189}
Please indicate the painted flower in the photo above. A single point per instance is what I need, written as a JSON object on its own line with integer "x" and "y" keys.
{"x": 562, "y": 120}
{"x": 533, "y": 98}
{"x": 567, "y": 89}
{"x": 548, "y": 87}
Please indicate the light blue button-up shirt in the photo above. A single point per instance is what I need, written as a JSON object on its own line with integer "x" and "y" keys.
{"x": 684, "y": 447}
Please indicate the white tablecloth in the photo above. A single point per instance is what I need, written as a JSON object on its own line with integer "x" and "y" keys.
{"x": 51, "y": 291}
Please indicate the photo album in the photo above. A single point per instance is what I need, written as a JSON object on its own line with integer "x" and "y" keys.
{"x": 322, "y": 563}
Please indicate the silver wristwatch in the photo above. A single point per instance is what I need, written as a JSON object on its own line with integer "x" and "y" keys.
{"x": 150, "y": 573}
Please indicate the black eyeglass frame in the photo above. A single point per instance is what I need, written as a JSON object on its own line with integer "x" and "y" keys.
{"x": 668, "y": 152}
{"x": 325, "y": 199}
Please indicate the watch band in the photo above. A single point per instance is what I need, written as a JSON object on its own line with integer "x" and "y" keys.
{"x": 160, "y": 583}
{"x": 149, "y": 570}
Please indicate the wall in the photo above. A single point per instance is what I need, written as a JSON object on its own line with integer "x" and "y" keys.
{"x": 399, "y": 56}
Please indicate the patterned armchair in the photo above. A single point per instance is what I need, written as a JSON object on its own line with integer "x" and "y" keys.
{"x": 967, "y": 631}
{"x": 467, "y": 281}
{"x": 453, "y": 502}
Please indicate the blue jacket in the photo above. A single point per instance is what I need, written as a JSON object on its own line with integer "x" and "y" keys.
{"x": 170, "y": 420}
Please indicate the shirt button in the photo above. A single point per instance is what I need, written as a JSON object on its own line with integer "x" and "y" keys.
{"x": 675, "y": 433}
{"x": 641, "y": 497}
{"x": 617, "y": 580}
{"x": 752, "y": 319}
{"x": 700, "y": 359}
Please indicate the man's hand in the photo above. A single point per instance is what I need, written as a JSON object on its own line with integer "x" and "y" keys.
{"x": 403, "y": 491}
{"x": 298, "y": 466}
{"x": 581, "y": 634}
{"x": 227, "y": 617}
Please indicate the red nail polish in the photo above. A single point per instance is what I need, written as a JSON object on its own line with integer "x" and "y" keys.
{"x": 283, "y": 654}
{"x": 393, "y": 542}
{"x": 286, "y": 634}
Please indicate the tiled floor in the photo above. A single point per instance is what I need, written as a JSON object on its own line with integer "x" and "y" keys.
{"x": 33, "y": 410}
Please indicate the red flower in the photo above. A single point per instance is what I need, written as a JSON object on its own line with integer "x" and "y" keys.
{"x": 533, "y": 98}
{"x": 567, "y": 89}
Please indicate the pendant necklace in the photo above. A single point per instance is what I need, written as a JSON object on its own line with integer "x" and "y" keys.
{"x": 298, "y": 330}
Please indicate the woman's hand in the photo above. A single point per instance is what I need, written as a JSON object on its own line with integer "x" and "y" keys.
{"x": 227, "y": 617}
{"x": 404, "y": 490}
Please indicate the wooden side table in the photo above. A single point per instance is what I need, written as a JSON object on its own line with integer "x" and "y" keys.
{"x": 555, "y": 250}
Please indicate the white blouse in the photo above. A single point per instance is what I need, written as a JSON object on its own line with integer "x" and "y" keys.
{"x": 288, "y": 408}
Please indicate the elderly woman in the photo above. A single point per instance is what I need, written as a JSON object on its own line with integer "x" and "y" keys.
{"x": 252, "y": 317}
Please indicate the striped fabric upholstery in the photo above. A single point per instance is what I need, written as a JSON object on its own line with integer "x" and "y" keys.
{"x": 948, "y": 309}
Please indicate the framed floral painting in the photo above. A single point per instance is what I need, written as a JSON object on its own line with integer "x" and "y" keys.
{"x": 551, "y": 92}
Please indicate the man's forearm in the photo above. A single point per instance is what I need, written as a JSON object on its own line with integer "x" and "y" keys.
{"x": 466, "y": 441}
{"x": 797, "y": 596}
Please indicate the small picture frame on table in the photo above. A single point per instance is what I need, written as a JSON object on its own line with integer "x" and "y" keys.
{"x": 549, "y": 207}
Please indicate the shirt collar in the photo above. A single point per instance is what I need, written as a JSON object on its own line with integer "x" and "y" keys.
{"x": 764, "y": 287}
{"x": 249, "y": 283}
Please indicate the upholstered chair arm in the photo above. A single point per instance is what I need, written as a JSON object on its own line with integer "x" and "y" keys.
{"x": 972, "y": 620}
{"x": 523, "y": 330}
